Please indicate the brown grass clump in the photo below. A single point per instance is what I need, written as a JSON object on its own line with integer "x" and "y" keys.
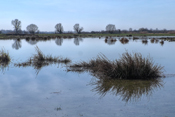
{"x": 152, "y": 40}
{"x": 161, "y": 42}
{"x": 124, "y": 40}
{"x": 127, "y": 67}
{"x": 39, "y": 60}
{"x": 4, "y": 59}
{"x": 145, "y": 41}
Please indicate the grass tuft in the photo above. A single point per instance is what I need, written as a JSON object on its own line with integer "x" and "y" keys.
{"x": 127, "y": 67}
{"x": 124, "y": 40}
{"x": 4, "y": 59}
{"x": 40, "y": 60}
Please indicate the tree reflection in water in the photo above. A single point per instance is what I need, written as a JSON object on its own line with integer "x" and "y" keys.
{"x": 17, "y": 44}
{"x": 128, "y": 90}
{"x": 77, "y": 40}
{"x": 59, "y": 41}
{"x": 32, "y": 41}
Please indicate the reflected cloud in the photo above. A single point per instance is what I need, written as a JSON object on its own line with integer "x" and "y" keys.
{"x": 59, "y": 41}
{"x": 128, "y": 90}
{"x": 77, "y": 40}
{"x": 17, "y": 44}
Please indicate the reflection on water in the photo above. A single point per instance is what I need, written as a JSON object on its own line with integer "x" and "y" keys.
{"x": 128, "y": 90}
{"x": 59, "y": 41}
{"x": 32, "y": 41}
{"x": 17, "y": 44}
{"x": 77, "y": 40}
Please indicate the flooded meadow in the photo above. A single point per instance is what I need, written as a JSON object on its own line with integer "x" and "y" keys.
{"x": 39, "y": 82}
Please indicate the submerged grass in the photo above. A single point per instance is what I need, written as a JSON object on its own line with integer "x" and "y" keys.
{"x": 40, "y": 60}
{"x": 127, "y": 67}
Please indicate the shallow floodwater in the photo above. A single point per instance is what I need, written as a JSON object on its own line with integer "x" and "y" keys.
{"x": 54, "y": 92}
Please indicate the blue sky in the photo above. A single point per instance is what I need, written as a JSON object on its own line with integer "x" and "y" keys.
{"x": 90, "y": 14}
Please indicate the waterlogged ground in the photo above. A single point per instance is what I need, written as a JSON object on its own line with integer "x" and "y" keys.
{"x": 51, "y": 91}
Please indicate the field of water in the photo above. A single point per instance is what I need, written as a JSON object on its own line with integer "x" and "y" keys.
{"x": 52, "y": 91}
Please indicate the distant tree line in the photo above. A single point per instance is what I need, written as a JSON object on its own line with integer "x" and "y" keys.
{"x": 110, "y": 28}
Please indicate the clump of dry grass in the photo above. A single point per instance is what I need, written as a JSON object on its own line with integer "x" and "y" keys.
{"x": 4, "y": 59}
{"x": 127, "y": 67}
{"x": 39, "y": 60}
{"x": 152, "y": 40}
{"x": 161, "y": 42}
{"x": 124, "y": 40}
{"x": 145, "y": 41}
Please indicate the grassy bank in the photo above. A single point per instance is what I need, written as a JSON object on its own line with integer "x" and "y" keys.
{"x": 3, "y": 36}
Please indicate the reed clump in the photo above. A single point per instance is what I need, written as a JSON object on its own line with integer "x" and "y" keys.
{"x": 127, "y": 67}
{"x": 145, "y": 41}
{"x": 4, "y": 59}
{"x": 40, "y": 60}
{"x": 161, "y": 42}
{"x": 124, "y": 40}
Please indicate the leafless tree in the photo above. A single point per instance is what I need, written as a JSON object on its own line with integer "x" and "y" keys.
{"x": 17, "y": 25}
{"x": 78, "y": 29}
{"x": 110, "y": 28}
{"x": 59, "y": 28}
{"x": 32, "y": 28}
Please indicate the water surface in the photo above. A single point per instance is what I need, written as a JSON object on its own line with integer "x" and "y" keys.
{"x": 58, "y": 93}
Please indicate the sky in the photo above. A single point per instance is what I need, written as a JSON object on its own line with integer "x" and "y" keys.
{"x": 92, "y": 15}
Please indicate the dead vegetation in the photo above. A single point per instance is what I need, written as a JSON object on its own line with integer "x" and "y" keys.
{"x": 127, "y": 67}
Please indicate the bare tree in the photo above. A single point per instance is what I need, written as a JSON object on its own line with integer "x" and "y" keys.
{"x": 110, "y": 28}
{"x": 59, "y": 28}
{"x": 32, "y": 28}
{"x": 17, "y": 25}
{"x": 78, "y": 29}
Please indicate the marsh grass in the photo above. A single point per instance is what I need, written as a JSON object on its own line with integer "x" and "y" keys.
{"x": 128, "y": 90}
{"x": 4, "y": 59}
{"x": 145, "y": 41}
{"x": 161, "y": 42}
{"x": 40, "y": 60}
{"x": 127, "y": 67}
{"x": 124, "y": 40}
